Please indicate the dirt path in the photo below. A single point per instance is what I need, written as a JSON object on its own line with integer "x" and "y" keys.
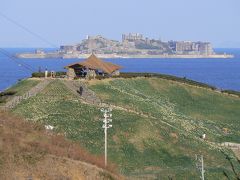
{"x": 32, "y": 92}
{"x": 86, "y": 94}
{"x": 235, "y": 147}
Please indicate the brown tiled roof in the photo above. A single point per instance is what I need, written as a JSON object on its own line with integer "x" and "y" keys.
{"x": 95, "y": 63}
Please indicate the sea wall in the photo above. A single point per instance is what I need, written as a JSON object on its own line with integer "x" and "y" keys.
{"x": 75, "y": 55}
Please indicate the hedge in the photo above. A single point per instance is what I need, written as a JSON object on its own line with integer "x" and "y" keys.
{"x": 7, "y": 93}
{"x": 231, "y": 92}
{"x": 42, "y": 74}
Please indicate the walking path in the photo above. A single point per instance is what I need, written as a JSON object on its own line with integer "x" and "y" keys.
{"x": 231, "y": 145}
{"x": 80, "y": 89}
{"x": 32, "y": 92}
{"x": 235, "y": 147}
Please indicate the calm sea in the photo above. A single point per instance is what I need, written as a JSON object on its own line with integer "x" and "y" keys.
{"x": 222, "y": 73}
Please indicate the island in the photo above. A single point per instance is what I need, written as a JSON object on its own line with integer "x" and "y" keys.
{"x": 133, "y": 45}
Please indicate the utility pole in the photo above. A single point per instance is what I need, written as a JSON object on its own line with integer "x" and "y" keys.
{"x": 107, "y": 115}
{"x": 200, "y": 165}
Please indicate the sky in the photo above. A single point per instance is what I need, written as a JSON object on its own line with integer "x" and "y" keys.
{"x": 70, "y": 21}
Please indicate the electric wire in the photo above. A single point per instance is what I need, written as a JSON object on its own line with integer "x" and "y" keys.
{"x": 28, "y": 30}
{"x": 13, "y": 58}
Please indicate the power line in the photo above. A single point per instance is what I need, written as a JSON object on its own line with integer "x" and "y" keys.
{"x": 28, "y": 30}
{"x": 14, "y": 59}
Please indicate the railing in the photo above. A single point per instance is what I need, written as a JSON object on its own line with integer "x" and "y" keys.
{"x": 32, "y": 92}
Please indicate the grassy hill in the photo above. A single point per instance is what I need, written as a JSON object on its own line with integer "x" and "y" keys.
{"x": 28, "y": 151}
{"x": 18, "y": 89}
{"x": 157, "y": 125}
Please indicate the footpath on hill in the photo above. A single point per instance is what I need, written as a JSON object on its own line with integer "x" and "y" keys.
{"x": 32, "y": 92}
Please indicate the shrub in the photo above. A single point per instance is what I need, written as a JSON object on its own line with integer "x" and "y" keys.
{"x": 61, "y": 73}
{"x": 99, "y": 77}
{"x": 232, "y": 92}
{"x": 38, "y": 74}
{"x": 7, "y": 93}
{"x": 4, "y": 95}
{"x": 42, "y": 74}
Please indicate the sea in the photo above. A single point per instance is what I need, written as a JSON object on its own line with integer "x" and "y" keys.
{"x": 221, "y": 73}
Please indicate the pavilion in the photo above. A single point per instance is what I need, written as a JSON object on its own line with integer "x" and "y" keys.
{"x": 92, "y": 67}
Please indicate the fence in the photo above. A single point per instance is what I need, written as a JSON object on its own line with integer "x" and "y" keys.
{"x": 32, "y": 92}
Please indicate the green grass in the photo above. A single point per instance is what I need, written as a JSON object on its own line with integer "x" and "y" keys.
{"x": 161, "y": 146}
{"x": 191, "y": 109}
{"x": 23, "y": 86}
{"x": 18, "y": 89}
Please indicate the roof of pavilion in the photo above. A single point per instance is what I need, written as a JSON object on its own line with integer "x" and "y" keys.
{"x": 95, "y": 63}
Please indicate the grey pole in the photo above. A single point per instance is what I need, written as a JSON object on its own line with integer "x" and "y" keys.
{"x": 202, "y": 168}
{"x": 105, "y": 132}
{"x": 106, "y": 125}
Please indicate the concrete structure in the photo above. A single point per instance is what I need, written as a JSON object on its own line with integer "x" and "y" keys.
{"x": 205, "y": 48}
{"x": 132, "y": 37}
{"x": 68, "y": 48}
{"x": 193, "y": 48}
{"x": 39, "y": 51}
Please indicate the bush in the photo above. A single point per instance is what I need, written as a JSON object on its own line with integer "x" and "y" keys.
{"x": 42, "y": 74}
{"x": 61, "y": 73}
{"x": 232, "y": 92}
{"x": 7, "y": 93}
{"x": 38, "y": 74}
{"x": 3, "y": 96}
{"x": 76, "y": 78}
{"x": 99, "y": 77}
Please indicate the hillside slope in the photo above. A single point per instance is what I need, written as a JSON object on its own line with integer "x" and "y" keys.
{"x": 157, "y": 126}
{"x": 27, "y": 151}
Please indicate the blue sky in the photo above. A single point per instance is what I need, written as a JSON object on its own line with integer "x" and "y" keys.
{"x": 69, "y": 21}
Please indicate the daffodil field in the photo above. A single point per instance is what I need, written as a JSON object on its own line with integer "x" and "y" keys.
{"x": 160, "y": 140}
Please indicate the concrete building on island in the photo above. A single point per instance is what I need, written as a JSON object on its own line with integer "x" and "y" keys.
{"x": 132, "y": 37}
{"x": 193, "y": 48}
